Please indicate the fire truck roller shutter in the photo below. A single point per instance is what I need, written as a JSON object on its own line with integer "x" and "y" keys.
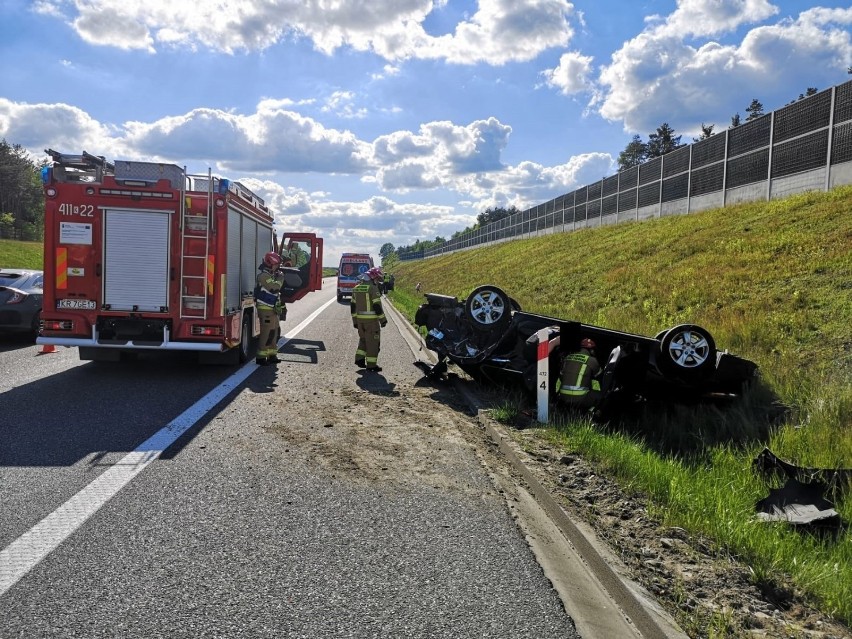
{"x": 264, "y": 240}
{"x": 136, "y": 259}
{"x": 249, "y": 250}
{"x": 232, "y": 287}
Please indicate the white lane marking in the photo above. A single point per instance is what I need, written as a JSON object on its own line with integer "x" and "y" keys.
{"x": 23, "y": 554}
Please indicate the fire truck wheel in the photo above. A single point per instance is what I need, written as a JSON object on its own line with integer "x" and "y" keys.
{"x": 248, "y": 343}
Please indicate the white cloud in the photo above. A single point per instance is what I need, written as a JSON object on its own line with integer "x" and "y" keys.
{"x": 341, "y": 104}
{"x": 530, "y": 183}
{"x": 392, "y": 29}
{"x": 658, "y": 77}
{"x": 439, "y": 154}
{"x": 388, "y": 71}
{"x": 110, "y": 26}
{"x": 61, "y": 126}
{"x": 711, "y": 17}
{"x": 50, "y": 8}
{"x": 407, "y": 176}
{"x": 531, "y": 26}
{"x": 358, "y": 225}
{"x": 273, "y": 139}
{"x": 572, "y": 75}
{"x": 261, "y": 148}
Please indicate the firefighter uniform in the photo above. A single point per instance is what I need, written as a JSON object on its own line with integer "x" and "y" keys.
{"x": 578, "y": 385}
{"x": 369, "y": 318}
{"x": 269, "y": 308}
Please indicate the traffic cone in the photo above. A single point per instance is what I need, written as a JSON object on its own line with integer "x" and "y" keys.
{"x": 46, "y": 348}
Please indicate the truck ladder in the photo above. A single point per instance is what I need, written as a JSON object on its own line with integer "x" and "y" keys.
{"x": 195, "y": 268}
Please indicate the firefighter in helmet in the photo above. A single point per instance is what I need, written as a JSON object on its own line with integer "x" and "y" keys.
{"x": 579, "y": 386}
{"x": 269, "y": 307}
{"x": 369, "y": 318}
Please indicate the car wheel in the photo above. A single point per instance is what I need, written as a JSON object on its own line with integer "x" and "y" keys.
{"x": 488, "y": 308}
{"x": 688, "y": 351}
{"x": 36, "y": 324}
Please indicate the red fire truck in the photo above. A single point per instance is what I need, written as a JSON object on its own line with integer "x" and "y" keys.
{"x": 143, "y": 256}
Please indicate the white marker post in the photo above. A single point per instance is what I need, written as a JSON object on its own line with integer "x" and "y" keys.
{"x": 543, "y": 392}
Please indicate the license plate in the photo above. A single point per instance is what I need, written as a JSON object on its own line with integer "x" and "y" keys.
{"x": 79, "y": 305}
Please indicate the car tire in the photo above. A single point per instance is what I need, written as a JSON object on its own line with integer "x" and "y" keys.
{"x": 36, "y": 324}
{"x": 688, "y": 352}
{"x": 488, "y": 308}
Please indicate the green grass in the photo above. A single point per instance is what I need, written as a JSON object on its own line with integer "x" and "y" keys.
{"x": 772, "y": 281}
{"x": 15, "y": 254}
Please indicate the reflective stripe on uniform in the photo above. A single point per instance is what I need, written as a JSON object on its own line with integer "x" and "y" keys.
{"x": 580, "y": 375}
{"x": 577, "y": 389}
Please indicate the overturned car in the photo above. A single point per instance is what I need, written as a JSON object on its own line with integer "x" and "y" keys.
{"x": 489, "y": 337}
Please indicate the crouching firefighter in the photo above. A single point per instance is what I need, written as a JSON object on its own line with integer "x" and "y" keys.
{"x": 369, "y": 318}
{"x": 579, "y": 386}
{"x": 269, "y": 307}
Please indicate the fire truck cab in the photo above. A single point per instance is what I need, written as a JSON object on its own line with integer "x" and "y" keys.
{"x": 142, "y": 256}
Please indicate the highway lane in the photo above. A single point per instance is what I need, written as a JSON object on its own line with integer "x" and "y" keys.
{"x": 63, "y": 421}
{"x": 267, "y": 518}
{"x": 70, "y": 420}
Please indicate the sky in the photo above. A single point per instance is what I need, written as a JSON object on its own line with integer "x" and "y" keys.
{"x": 387, "y": 121}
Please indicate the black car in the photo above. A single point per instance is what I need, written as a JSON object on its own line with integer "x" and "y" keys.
{"x": 492, "y": 339}
{"x": 20, "y": 300}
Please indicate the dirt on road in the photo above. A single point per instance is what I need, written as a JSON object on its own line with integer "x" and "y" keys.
{"x": 388, "y": 432}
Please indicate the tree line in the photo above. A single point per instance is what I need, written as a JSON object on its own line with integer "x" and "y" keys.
{"x": 21, "y": 195}
{"x": 488, "y": 216}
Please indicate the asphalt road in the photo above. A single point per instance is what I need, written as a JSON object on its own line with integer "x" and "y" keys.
{"x": 235, "y": 529}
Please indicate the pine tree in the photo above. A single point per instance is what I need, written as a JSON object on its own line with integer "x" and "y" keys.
{"x": 706, "y": 132}
{"x": 633, "y": 154}
{"x": 663, "y": 141}
{"x": 754, "y": 110}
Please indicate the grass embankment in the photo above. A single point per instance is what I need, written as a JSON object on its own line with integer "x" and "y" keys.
{"x": 772, "y": 281}
{"x": 15, "y": 254}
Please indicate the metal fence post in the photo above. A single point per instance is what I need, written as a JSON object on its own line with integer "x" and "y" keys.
{"x": 830, "y": 139}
